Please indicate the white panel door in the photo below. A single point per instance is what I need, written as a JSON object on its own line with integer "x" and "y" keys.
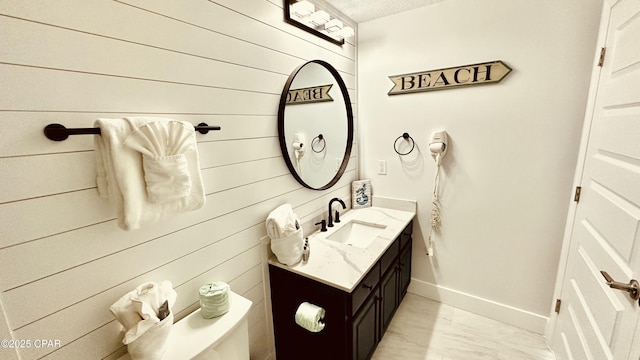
{"x": 596, "y": 321}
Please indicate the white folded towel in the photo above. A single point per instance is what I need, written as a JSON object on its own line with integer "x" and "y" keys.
{"x": 288, "y": 249}
{"x": 139, "y": 312}
{"x": 282, "y": 221}
{"x": 142, "y": 303}
{"x": 163, "y": 145}
{"x": 283, "y": 227}
{"x": 175, "y": 186}
{"x": 152, "y": 343}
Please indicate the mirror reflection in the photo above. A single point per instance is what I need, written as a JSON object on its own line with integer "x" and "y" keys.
{"x": 315, "y": 125}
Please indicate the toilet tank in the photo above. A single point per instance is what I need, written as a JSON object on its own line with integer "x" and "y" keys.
{"x": 222, "y": 338}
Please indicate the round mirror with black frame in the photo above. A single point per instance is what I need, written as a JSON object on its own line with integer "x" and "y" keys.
{"x": 315, "y": 125}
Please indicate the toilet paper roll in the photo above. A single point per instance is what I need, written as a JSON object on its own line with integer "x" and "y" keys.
{"x": 310, "y": 317}
{"x": 214, "y": 299}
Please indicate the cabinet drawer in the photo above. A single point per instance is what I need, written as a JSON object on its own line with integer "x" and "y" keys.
{"x": 366, "y": 287}
{"x": 409, "y": 229}
{"x": 389, "y": 256}
{"x": 405, "y": 237}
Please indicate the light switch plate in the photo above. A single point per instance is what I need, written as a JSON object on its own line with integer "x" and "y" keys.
{"x": 382, "y": 167}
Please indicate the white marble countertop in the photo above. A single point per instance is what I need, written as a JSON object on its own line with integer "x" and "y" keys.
{"x": 343, "y": 266}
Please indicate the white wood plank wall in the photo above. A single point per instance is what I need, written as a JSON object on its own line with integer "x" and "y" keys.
{"x": 63, "y": 260}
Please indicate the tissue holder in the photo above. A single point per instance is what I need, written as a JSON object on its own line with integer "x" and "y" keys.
{"x": 310, "y": 317}
{"x": 214, "y": 299}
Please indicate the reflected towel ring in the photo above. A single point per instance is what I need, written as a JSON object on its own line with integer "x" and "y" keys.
{"x": 316, "y": 140}
{"x": 406, "y": 137}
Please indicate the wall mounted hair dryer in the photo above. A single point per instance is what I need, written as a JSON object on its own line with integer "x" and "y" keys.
{"x": 299, "y": 146}
{"x": 438, "y": 145}
{"x": 299, "y": 142}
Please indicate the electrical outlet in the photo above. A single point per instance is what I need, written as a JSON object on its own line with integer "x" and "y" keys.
{"x": 382, "y": 167}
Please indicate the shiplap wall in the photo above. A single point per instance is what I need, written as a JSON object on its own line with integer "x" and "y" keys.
{"x": 63, "y": 260}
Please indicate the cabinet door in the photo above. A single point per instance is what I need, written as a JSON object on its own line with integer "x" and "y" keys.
{"x": 365, "y": 288}
{"x": 405, "y": 271}
{"x": 389, "y": 296}
{"x": 288, "y": 291}
{"x": 366, "y": 329}
{"x": 405, "y": 236}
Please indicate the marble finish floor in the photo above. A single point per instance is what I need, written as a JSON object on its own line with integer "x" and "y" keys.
{"x": 423, "y": 329}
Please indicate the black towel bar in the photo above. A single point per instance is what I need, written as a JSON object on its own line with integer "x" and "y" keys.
{"x": 58, "y": 132}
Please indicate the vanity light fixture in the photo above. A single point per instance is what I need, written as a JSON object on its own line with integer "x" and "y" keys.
{"x": 333, "y": 25}
{"x": 302, "y": 8}
{"x": 308, "y": 16}
{"x": 319, "y": 18}
{"x": 345, "y": 32}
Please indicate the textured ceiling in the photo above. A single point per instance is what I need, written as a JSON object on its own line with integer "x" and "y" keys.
{"x": 365, "y": 10}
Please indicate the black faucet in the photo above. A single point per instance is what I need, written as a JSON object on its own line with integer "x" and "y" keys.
{"x": 330, "y": 221}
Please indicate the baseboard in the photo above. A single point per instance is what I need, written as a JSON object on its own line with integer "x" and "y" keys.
{"x": 491, "y": 309}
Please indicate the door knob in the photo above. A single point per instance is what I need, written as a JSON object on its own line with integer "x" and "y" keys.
{"x": 632, "y": 287}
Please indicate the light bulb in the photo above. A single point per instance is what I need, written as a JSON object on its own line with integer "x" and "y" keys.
{"x": 302, "y": 8}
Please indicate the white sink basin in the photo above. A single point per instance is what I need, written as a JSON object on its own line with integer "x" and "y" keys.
{"x": 357, "y": 233}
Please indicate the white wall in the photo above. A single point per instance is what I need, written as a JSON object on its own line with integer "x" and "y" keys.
{"x": 506, "y": 181}
{"x": 63, "y": 260}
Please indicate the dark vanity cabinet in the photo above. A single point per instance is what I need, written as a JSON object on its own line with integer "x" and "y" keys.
{"x": 355, "y": 321}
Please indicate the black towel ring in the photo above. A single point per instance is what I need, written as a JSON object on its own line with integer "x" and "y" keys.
{"x": 406, "y": 137}
{"x": 317, "y": 140}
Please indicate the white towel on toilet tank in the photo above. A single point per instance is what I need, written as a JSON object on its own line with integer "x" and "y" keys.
{"x": 148, "y": 168}
{"x": 140, "y": 313}
{"x": 283, "y": 227}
